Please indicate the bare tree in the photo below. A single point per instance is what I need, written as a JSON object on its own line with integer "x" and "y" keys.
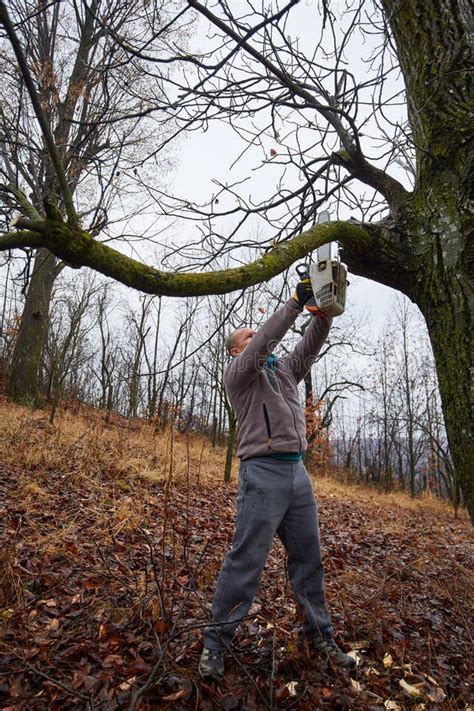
{"x": 400, "y": 433}
{"x": 62, "y": 75}
{"x": 332, "y": 131}
{"x": 138, "y": 329}
{"x": 25, "y": 362}
{"x": 152, "y": 362}
{"x": 108, "y": 353}
{"x": 213, "y": 364}
{"x": 65, "y": 350}
{"x": 383, "y": 386}
{"x": 411, "y": 398}
{"x": 9, "y": 323}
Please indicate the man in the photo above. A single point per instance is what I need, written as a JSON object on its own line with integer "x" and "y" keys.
{"x": 275, "y": 493}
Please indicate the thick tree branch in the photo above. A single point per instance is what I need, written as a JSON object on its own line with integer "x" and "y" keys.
{"x": 20, "y": 240}
{"x": 359, "y": 168}
{"x": 379, "y": 257}
{"x": 22, "y": 200}
{"x": 77, "y": 77}
{"x": 369, "y": 250}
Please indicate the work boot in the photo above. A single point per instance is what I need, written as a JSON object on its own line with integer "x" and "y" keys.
{"x": 211, "y": 663}
{"x": 328, "y": 650}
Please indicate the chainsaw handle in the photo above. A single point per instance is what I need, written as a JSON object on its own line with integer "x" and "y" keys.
{"x": 303, "y": 270}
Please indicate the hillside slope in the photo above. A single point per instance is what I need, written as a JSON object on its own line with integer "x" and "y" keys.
{"x": 111, "y": 541}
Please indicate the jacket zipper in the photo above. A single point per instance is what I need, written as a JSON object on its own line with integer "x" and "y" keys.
{"x": 296, "y": 430}
{"x": 267, "y": 423}
{"x": 294, "y": 422}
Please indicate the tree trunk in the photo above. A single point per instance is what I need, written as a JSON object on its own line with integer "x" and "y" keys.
{"x": 441, "y": 252}
{"x": 22, "y": 384}
{"x": 110, "y": 402}
{"x": 450, "y": 334}
{"x": 435, "y": 52}
{"x": 230, "y": 444}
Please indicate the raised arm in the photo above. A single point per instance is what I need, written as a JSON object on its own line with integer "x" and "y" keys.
{"x": 305, "y": 352}
{"x": 244, "y": 368}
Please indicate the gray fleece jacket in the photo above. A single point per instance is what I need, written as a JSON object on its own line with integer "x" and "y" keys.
{"x": 266, "y": 401}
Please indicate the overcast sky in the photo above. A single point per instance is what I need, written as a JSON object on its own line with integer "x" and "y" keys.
{"x": 210, "y": 156}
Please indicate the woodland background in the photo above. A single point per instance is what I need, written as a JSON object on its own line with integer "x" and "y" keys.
{"x": 195, "y": 152}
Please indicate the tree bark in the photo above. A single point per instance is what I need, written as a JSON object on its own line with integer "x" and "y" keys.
{"x": 450, "y": 331}
{"x": 435, "y": 227}
{"x": 22, "y": 384}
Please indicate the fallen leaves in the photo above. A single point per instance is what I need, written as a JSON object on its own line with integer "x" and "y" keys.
{"x": 107, "y": 605}
{"x": 174, "y": 697}
{"x": 387, "y": 660}
{"x": 410, "y": 689}
{"x": 357, "y": 657}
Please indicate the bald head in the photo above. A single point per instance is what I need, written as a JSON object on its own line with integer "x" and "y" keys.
{"x": 239, "y": 340}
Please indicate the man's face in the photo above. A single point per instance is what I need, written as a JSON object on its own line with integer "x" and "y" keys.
{"x": 241, "y": 338}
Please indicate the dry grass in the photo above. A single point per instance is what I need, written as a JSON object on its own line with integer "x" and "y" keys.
{"x": 10, "y": 581}
{"x": 82, "y": 445}
{"x": 110, "y": 465}
{"x": 363, "y": 495}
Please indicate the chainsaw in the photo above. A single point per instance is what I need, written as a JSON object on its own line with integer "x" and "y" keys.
{"x": 329, "y": 282}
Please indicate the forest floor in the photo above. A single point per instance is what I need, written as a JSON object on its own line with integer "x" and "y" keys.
{"x": 111, "y": 539}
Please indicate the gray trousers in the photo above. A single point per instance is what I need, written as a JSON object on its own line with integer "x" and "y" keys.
{"x": 274, "y": 497}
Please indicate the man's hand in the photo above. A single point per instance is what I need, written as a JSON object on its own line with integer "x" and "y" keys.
{"x": 303, "y": 292}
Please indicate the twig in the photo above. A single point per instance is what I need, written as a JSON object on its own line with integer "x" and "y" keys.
{"x": 296, "y": 701}
{"x": 69, "y": 690}
{"x": 156, "y": 574}
{"x": 172, "y": 635}
{"x": 250, "y": 678}
{"x": 272, "y": 674}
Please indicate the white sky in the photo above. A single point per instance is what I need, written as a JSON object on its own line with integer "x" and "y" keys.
{"x": 209, "y": 156}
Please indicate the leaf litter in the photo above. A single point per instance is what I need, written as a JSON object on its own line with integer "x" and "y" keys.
{"x": 109, "y": 588}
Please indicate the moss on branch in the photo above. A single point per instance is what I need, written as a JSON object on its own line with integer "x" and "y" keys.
{"x": 367, "y": 250}
{"x": 20, "y": 240}
{"x": 77, "y": 248}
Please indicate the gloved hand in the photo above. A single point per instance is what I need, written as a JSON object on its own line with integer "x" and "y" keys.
{"x": 303, "y": 292}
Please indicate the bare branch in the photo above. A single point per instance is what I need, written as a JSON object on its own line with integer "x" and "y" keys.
{"x": 40, "y": 114}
